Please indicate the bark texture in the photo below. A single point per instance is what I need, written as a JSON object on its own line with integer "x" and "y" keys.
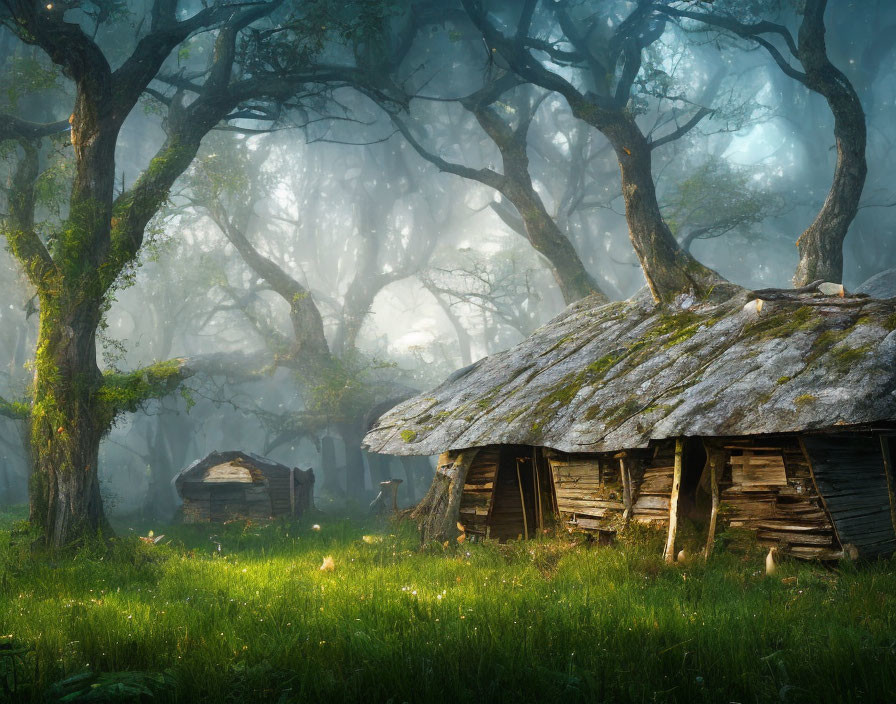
{"x": 439, "y": 511}
{"x": 821, "y": 245}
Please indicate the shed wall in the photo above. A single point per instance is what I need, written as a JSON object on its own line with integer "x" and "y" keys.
{"x": 851, "y": 478}
{"x": 786, "y": 513}
{"x": 477, "y": 499}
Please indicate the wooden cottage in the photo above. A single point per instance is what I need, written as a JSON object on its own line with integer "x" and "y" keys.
{"x": 235, "y": 485}
{"x": 773, "y": 411}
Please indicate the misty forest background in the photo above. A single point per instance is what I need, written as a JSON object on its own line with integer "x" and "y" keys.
{"x": 398, "y": 201}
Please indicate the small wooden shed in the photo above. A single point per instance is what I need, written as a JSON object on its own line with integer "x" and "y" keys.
{"x": 772, "y": 411}
{"x": 226, "y": 486}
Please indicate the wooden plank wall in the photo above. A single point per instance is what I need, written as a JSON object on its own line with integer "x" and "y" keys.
{"x": 588, "y": 488}
{"x": 652, "y": 494}
{"x": 476, "y": 500}
{"x": 278, "y": 487}
{"x": 767, "y": 487}
{"x": 505, "y": 520}
{"x": 849, "y": 473}
{"x": 249, "y": 501}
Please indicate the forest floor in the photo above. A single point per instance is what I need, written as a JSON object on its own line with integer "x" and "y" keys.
{"x": 242, "y": 613}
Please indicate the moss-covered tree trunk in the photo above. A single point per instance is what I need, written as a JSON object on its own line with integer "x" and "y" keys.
{"x": 72, "y": 403}
{"x": 67, "y": 423}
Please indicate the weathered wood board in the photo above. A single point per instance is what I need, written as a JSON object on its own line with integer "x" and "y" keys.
{"x": 588, "y": 488}
{"x": 651, "y": 504}
{"x": 479, "y": 490}
{"x": 849, "y": 473}
{"x": 767, "y": 488}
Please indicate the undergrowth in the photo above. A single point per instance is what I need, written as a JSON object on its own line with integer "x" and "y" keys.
{"x": 241, "y": 613}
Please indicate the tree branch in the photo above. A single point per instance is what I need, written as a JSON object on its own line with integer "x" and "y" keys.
{"x": 19, "y": 230}
{"x": 131, "y": 78}
{"x": 747, "y": 31}
{"x": 682, "y": 129}
{"x": 128, "y": 392}
{"x": 489, "y": 177}
{"x": 12, "y": 127}
{"x": 14, "y": 410}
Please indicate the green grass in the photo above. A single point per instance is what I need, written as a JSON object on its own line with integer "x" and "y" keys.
{"x": 540, "y": 621}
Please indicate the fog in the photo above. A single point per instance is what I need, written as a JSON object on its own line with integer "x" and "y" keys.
{"x": 368, "y": 198}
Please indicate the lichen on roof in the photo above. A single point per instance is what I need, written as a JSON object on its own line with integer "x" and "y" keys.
{"x": 606, "y": 377}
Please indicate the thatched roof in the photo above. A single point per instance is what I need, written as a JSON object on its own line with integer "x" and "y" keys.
{"x": 607, "y": 377}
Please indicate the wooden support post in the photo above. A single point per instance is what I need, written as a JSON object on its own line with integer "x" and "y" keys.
{"x": 716, "y": 466}
{"x": 393, "y": 487}
{"x": 522, "y": 499}
{"x": 292, "y": 492}
{"x": 888, "y": 470}
{"x": 626, "y": 486}
{"x": 669, "y": 552}
{"x": 539, "y": 518}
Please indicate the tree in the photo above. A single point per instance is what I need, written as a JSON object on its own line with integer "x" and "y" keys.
{"x": 337, "y": 384}
{"x": 510, "y": 136}
{"x": 606, "y": 51}
{"x": 97, "y": 244}
{"x": 821, "y": 244}
{"x": 716, "y": 199}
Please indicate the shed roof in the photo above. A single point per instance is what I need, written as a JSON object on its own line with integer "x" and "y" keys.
{"x": 607, "y": 377}
{"x": 230, "y": 466}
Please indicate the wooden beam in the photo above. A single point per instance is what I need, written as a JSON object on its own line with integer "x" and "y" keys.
{"x": 539, "y": 508}
{"x": 519, "y": 482}
{"x": 626, "y": 487}
{"x": 292, "y": 491}
{"x": 669, "y": 552}
{"x": 716, "y": 467}
{"x": 888, "y": 470}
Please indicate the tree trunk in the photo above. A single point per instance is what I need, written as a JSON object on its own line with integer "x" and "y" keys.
{"x": 354, "y": 463}
{"x": 332, "y": 482}
{"x": 67, "y": 423}
{"x": 547, "y": 239}
{"x": 540, "y": 229}
{"x": 821, "y": 245}
{"x": 439, "y": 510}
{"x": 669, "y": 270}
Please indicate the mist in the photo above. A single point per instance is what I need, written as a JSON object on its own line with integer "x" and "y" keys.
{"x": 412, "y": 203}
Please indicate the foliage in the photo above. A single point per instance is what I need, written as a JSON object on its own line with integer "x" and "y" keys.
{"x": 128, "y": 392}
{"x": 545, "y": 620}
{"x": 339, "y": 388}
{"x": 24, "y": 76}
{"x": 716, "y": 199}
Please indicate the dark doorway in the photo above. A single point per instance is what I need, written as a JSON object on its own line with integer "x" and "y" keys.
{"x": 694, "y": 501}
{"x": 517, "y": 508}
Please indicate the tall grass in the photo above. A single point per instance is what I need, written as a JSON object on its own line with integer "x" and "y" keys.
{"x": 540, "y": 621}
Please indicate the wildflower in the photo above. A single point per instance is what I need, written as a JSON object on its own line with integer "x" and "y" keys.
{"x": 328, "y": 564}
{"x": 315, "y": 528}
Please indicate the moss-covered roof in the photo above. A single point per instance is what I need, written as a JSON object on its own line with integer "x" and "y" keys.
{"x": 607, "y": 377}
